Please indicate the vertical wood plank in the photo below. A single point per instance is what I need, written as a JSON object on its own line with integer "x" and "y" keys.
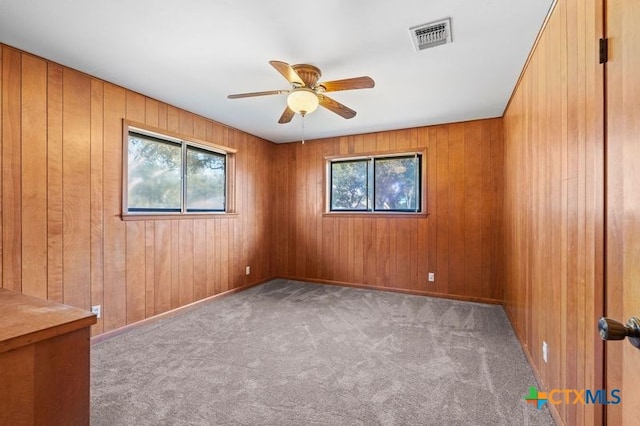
{"x": 222, "y": 254}
{"x": 185, "y": 123}
{"x": 163, "y": 293}
{"x": 135, "y": 107}
{"x": 199, "y": 259}
{"x": 457, "y": 231}
{"x": 76, "y": 155}
{"x": 234, "y": 236}
{"x": 403, "y": 253}
{"x": 349, "y": 260}
{"x": 174, "y": 259}
{"x": 150, "y": 268}
{"x": 55, "y": 269}
{"x": 163, "y": 116}
{"x": 114, "y": 310}
{"x": 383, "y": 278}
{"x": 430, "y": 136}
{"x": 135, "y": 271}
{"x": 200, "y": 128}
{"x": 358, "y": 250}
{"x": 311, "y": 205}
{"x": 328, "y": 248}
{"x": 292, "y": 212}
{"x": 442, "y": 215}
{"x": 34, "y": 171}
{"x": 497, "y": 184}
{"x": 152, "y": 112}
{"x": 97, "y": 204}
{"x": 173, "y": 120}
{"x": 473, "y": 212}
{"x": 392, "y": 254}
{"x": 225, "y": 230}
{"x": 11, "y": 167}
{"x": 247, "y": 231}
{"x": 212, "y": 263}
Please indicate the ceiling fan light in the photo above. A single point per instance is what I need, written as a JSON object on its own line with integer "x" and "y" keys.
{"x": 302, "y": 100}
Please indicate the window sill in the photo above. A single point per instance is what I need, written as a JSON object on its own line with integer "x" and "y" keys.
{"x": 177, "y": 216}
{"x": 378, "y": 215}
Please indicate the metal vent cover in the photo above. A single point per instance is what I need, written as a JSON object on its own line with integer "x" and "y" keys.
{"x": 431, "y": 34}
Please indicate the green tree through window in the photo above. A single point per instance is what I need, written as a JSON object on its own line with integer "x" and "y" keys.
{"x": 376, "y": 184}
{"x": 154, "y": 174}
{"x": 349, "y": 185}
{"x": 205, "y": 180}
{"x": 156, "y": 169}
{"x": 396, "y": 183}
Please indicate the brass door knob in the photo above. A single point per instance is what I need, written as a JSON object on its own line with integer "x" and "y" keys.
{"x": 611, "y": 329}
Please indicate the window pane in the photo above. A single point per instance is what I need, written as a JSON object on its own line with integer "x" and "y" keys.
{"x": 205, "y": 180}
{"x": 349, "y": 185}
{"x": 153, "y": 174}
{"x": 395, "y": 183}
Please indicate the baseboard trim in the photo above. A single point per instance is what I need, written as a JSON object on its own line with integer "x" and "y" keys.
{"x": 172, "y": 313}
{"x": 536, "y": 374}
{"x": 396, "y": 290}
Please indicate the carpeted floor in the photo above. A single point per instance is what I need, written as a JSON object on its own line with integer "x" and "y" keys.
{"x": 292, "y": 353}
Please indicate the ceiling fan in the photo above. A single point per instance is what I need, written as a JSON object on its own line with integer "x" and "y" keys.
{"x": 306, "y": 93}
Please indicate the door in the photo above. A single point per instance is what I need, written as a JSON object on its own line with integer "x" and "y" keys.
{"x": 623, "y": 203}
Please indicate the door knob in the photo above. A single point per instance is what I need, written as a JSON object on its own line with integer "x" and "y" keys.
{"x": 613, "y": 330}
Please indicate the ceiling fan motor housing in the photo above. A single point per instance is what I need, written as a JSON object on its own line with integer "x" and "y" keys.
{"x": 308, "y": 73}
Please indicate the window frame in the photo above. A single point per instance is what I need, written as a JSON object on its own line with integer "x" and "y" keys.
{"x": 371, "y": 157}
{"x": 185, "y": 142}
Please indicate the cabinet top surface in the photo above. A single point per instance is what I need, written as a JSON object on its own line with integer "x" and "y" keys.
{"x": 26, "y": 319}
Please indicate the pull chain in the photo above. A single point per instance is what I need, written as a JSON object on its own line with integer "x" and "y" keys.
{"x": 303, "y": 127}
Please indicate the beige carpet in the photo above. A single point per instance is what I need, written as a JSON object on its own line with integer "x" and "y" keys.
{"x": 292, "y": 353}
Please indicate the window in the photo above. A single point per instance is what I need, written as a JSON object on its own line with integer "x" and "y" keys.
{"x": 376, "y": 184}
{"x": 168, "y": 175}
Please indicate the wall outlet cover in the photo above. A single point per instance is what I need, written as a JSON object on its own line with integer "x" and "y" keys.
{"x": 96, "y": 310}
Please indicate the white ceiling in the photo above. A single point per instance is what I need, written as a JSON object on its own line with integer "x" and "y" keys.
{"x": 193, "y": 53}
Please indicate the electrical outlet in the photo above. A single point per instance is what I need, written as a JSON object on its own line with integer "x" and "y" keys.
{"x": 545, "y": 351}
{"x": 432, "y": 276}
{"x": 247, "y": 270}
{"x": 96, "y": 310}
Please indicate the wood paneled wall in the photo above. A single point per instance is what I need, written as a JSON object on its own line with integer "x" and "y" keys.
{"x": 554, "y": 186}
{"x": 63, "y": 238}
{"x": 460, "y": 240}
{"x": 61, "y": 191}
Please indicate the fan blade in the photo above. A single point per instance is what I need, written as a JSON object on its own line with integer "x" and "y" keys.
{"x": 248, "y": 95}
{"x": 286, "y": 116}
{"x": 348, "y": 84}
{"x": 287, "y": 72}
{"x": 336, "y": 107}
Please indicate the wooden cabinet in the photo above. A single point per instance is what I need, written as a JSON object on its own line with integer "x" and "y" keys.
{"x": 44, "y": 361}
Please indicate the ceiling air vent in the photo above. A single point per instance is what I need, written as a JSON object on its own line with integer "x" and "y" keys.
{"x": 430, "y": 35}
